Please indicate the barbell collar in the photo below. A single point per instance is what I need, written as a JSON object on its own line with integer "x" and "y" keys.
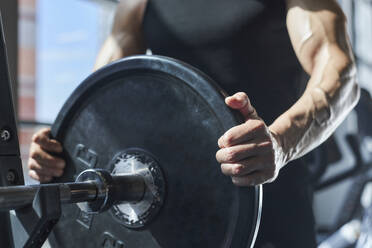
{"x": 111, "y": 189}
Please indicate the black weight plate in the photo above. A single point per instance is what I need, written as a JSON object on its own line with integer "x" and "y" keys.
{"x": 177, "y": 114}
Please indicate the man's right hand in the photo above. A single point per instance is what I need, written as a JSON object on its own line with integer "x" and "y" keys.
{"x": 43, "y": 163}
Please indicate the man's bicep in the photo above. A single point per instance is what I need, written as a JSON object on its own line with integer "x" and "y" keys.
{"x": 317, "y": 27}
{"x": 128, "y": 20}
{"x": 126, "y": 36}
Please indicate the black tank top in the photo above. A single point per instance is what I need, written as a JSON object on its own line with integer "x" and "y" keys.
{"x": 242, "y": 44}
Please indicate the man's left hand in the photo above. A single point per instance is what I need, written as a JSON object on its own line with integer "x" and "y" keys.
{"x": 247, "y": 151}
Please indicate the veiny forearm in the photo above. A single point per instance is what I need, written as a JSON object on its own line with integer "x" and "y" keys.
{"x": 314, "y": 117}
{"x": 323, "y": 50}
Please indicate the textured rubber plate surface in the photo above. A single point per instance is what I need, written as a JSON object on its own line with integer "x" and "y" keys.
{"x": 177, "y": 114}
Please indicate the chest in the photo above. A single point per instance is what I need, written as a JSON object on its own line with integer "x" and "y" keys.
{"x": 206, "y": 22}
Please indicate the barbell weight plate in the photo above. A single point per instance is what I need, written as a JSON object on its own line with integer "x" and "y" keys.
{"x": 166, "y": 113}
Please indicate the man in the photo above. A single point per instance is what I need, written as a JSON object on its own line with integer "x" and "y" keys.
{"x": 245, "y": 45}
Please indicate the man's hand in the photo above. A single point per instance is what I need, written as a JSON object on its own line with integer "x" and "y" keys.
{"x": 247, "y": 151}
{"x": 43, "y": 164}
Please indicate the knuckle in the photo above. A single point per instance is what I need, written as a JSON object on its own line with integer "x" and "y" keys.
{"x": 34, "y": 154}
{"x": 237, "y": 170}
{"x": 32, "y": 165}
{"x": 228, "y": 139}
{"x": 241, "y": 95}
{"x": 35, "y": 138}
{"x": 258, "y": 126}
{"x": 230, "y": 154}
{"x": 45, "y": 131}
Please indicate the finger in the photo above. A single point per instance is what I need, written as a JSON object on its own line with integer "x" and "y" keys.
{"x": 244, "y": 167}
{"x": 43, "y": 139}
{"x": 240, "y": 101}
{"x": 252, "y": 179}
{"x": 247, "y": 131}
{"x": 237, "y": 153}
{"x": 40, "y": 178}
{"x": 43, "y": 170}
{"x": 45, "y": 159}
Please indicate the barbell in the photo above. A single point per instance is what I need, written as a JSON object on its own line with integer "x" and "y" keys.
{"x": 94, "y": 190}
{"x": 139, "y": 139}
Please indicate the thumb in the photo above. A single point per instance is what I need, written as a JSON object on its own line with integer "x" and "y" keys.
{"x": 240, "y": 101}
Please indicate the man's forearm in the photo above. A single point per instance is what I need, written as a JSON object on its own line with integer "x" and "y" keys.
{"x": 331, "y": 94}
{"x": 320, "y": 41}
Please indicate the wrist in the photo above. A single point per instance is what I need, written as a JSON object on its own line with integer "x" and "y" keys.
{"x": 281, "y": 158}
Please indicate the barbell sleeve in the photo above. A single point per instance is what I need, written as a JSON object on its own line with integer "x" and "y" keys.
{"x": 96, "y": 187}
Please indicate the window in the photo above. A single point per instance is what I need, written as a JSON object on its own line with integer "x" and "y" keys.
{"x": 58, "y": 43}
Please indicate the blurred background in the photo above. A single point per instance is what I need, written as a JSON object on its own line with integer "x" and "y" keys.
{"x": 57, "y": 44}
{"x": 52, "y": 47}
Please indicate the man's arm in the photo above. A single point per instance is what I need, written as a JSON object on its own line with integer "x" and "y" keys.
{"x": 317, "y": 29}
{"x": 253, "y": 153}
{"x": 125, "y": 39}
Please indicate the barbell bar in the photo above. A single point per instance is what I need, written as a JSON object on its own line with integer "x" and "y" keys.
{"x": 97, "y": 190}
